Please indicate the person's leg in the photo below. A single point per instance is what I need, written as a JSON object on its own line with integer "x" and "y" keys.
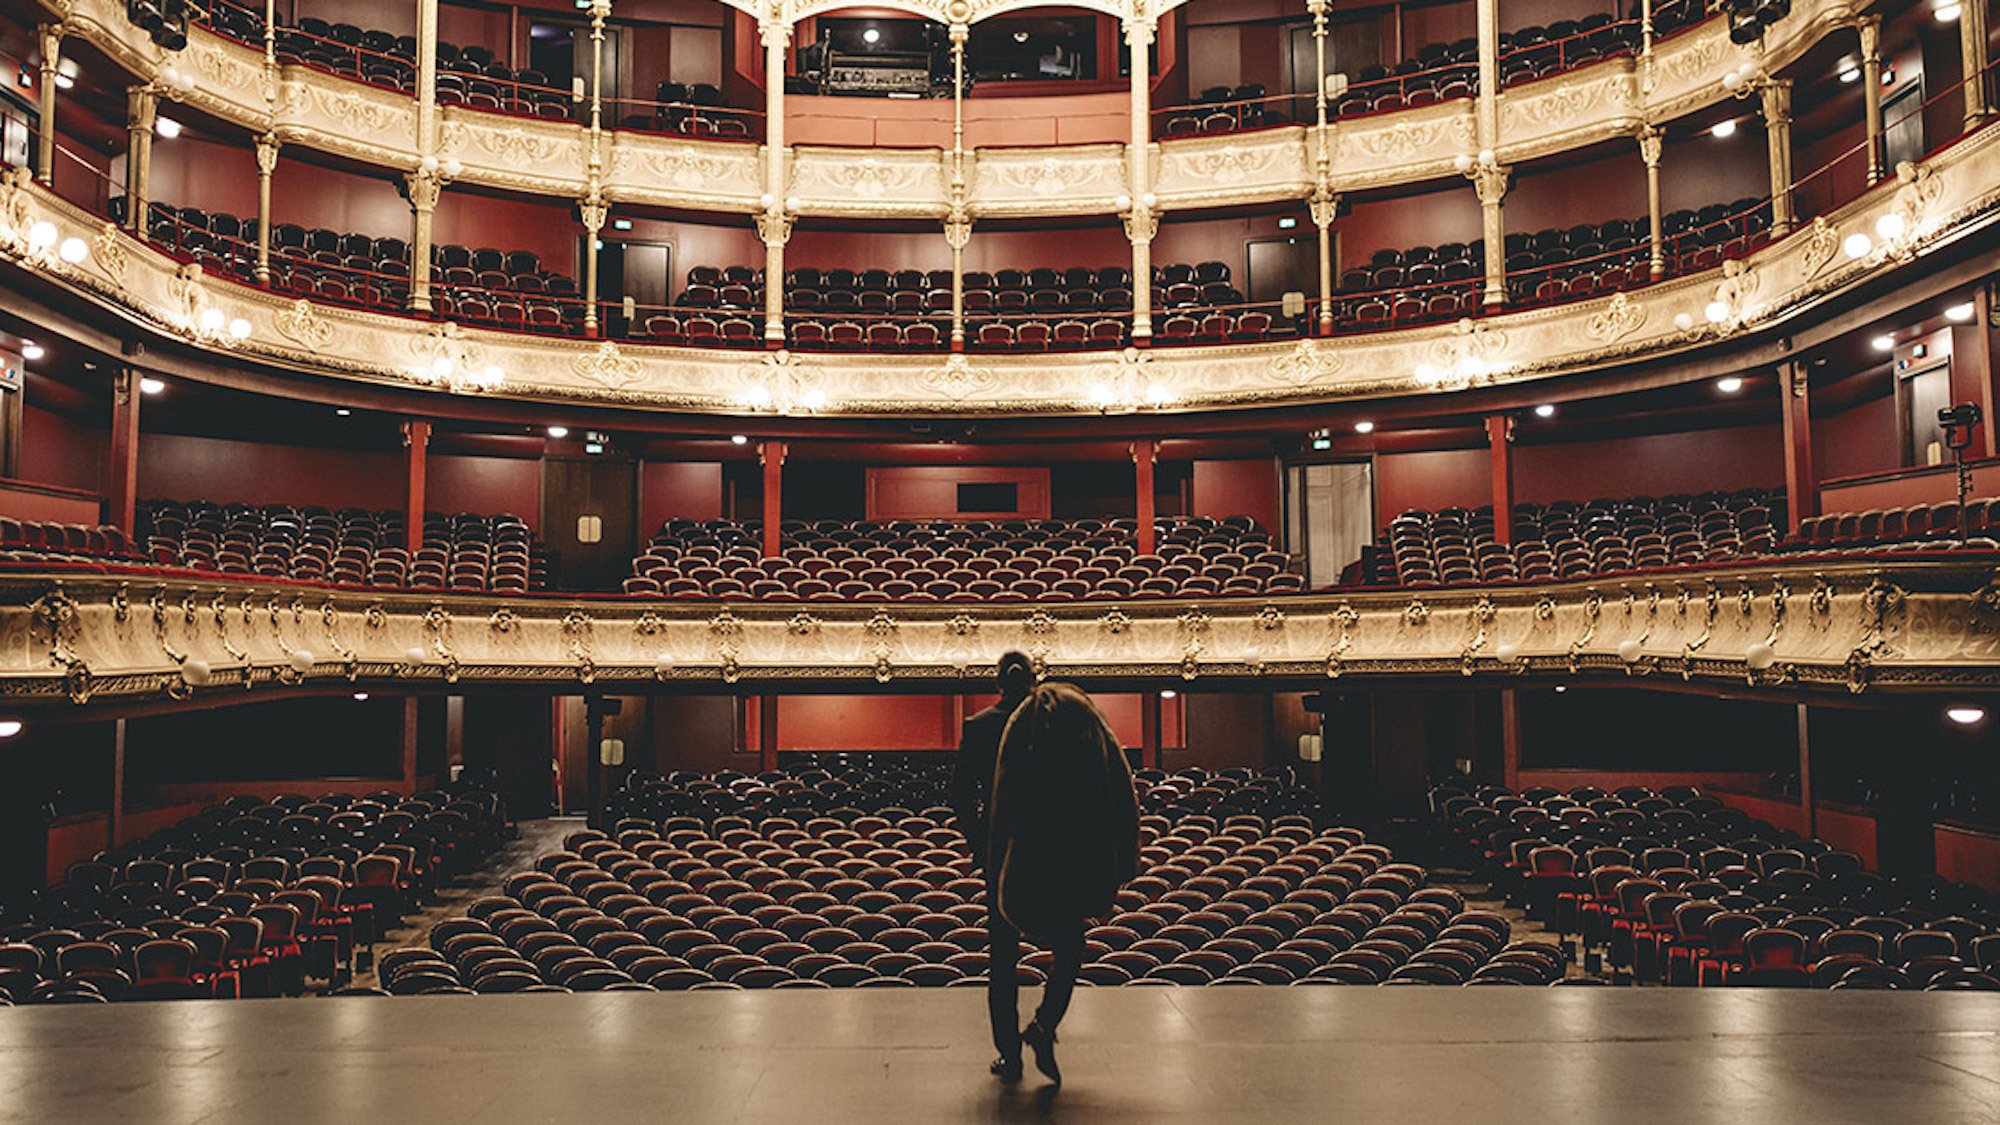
{"x": 1003, "y": 951}
{"x": 1068, "y": 951}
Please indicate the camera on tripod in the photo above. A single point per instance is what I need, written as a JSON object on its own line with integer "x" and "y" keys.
{"x": 1958, "y": 421}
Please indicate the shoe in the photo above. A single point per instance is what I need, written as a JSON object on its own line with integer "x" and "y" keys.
{"x": 1005, "y": 1069}
{"x": 1043, "y": 1044}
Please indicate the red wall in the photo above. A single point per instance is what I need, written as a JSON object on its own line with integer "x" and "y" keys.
{"x": 34, "y": 502}
{"x": 1441, "y": 479}
{"x": 1429, "y": 219}
{"x": 678, "y": 489}
{"x": 55, "y": 450}
{"x": 1860, "y": 439}
{"x": 925, "y": 492}
{"x": 1238, "y": 488}
{"x": 74, "y": 839}
{"x": 1933, "y": 485}
{"x": 1652, "y": 465}
{"x": 485, "y": 485}
{"x": 191, "y": 468}
{"x": 1968, "y": 855}
{"x": 924, "y": 722}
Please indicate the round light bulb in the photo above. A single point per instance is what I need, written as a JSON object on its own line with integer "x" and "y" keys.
{"x": 32, "y": 352}
{"x": 1545, "y": 410}
{"x": 428, "y": 164}
{"x": 211, "y": 319}
{"x": 453, "y": 167}
{"x": 1629, "y": 650}
{"x": 558, "y": 432}
{"x": 73, "y": 250}
{"x": 42, "y": 235}
{"x": 442, "y": 366}
{"x": 1506, "y": 651}
{"x": 1729, "y": 384}
{"x": 1890, "y": 226}
{"x": 10, "y": 727}
{"x": 239, "y": 328}
{"x": 1856, "y": 245}
{"x": 1965, "y": 716}
{"x": 415, "y": 654}
{"x": 1760, "y": 656}
{"x": 302, "y": 661}
{"x": 1122, "y": 203}
{"x": 195, "y": 672}
{"x": 1364, "y": 427}
{"x": 1716, "y": 312}
{"x": 1684, "y": 321}
{"x": 151, "y": 386}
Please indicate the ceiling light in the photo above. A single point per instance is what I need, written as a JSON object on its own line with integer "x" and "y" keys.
{"x": 360, "y": 697}
{"x": 1963, "y": 716}
{"x": 1851, "y": 74}
{"x": 1545, "y": 410}
{"x": 10, "y": 727}
{"x": 151, "y": 386}
{"x": 343, "y": 412}
{"x": 1729, "y": 384}
{"x": 1723, "y": 128}
{"x": 738, "y": 439}
{"x": 871, "y": 37}
{"x": 64, "y": 82}
{"x": 1960, "y": 312}
{"x": 1560, "y": 688}
{"x": 167, "y": 127}
{"x": 1364, "y": 427}
{"x": 1883, "y": 343}
{"x": 1168, "y": 693}
{"x": 1020, "y": 37}
{"x": 32, "y": 351}
{"x": 1947, "y": 13}
{"x": 558, "y": 432}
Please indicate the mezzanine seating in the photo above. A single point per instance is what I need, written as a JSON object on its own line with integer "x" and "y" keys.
{"x": 1916, "y": 528}
{"x": 817, "y": 877}
{"x": 1011, "y": 561}
{"x": 247, "y": 898}
{"x": 353, "y": 546}
{"x": 1566, "y": 539}
{"x": 1677, "y": 888}
{"x": 35, "y": 540}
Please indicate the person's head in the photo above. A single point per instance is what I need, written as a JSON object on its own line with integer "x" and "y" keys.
{"x": 1016, "y": 676}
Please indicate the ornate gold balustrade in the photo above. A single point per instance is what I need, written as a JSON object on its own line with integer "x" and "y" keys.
{"x": 1952, "y": 195}
{"x": 300, "y": 105}
{"x": 1850, "y": 626}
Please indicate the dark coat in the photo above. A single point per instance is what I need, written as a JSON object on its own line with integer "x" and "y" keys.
{"x": 1064, "y": 819}
{"x": 972, "y": 773}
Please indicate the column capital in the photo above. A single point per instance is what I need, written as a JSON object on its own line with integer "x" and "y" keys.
{"x": 267, "y": 153}
{"x": 1138, "y": 31}
{"x": 1141, "y": 224}
{"x": 775, "y": 226}
{"x": 142, "y": 107}
{"x": 51, "y": 35}
{"x": 1869, "y": 29}
{"x": 1323, "y": 206}
{"x": 773, "y": 31}
{"x": 771, "y": 454}
{"x": 1489, "y": 181}
{"x": 593, "y": 209}
{"x": 416, "y": 433}
{"x": 1777, "y": 95}
{"x": 958, "y": 231}
{"x": 1650, "y": 138}
{"x": 425, "y": 187}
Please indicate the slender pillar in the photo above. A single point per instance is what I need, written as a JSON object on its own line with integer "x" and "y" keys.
{"x": 1149, "y": 730}
{"x": 267, "y": 163}
{"x": 1141, "y": 223}
{"x": 1500, "y": 440}
{"x": 1649, "y": 151}
{"x": 767, "y": 732}
{"x": 142, "y": 110}
{"x": 1801, "y": 480}
{"x": 775, "y": 223}
{"x": 1510, "y": 738}
{"x": 1778, "y": 133}
{"x": 592, "y": 211}
{"x": 409, "y": 744}
{"x": 1324, "y": 205}
{"x": 958, "y": 221}
{"x": 115, "y": 823}
{"x": 122, "y": 487}
{"x": 1869, "y": 29}
{"x": 425, "y": 187}
{"x": 771, "y": 454}
{"x": 1486, "y": 125}
{"x": 1808, "y": 806}
{"x": 1489, "y": 180}
{"x": 593, "y": 758}
{"x": 1144, "y": 453}
{"x": 45, "y": 152}
{"x": 427, "y": 72}
{"x": 416, "y": 444}
{"x": 1972, "y": 53}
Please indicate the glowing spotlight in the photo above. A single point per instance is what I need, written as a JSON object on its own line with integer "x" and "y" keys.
{"x": 1729, "y": 384}
{"x": 1723, "y": 129}
{"x": 1883, "y": 343}
{"x": 151, "y": 386}
{"x": 738, "y": 439}
{"x": 167, "y": 128}
{"x": 1364, "y": 427}
{"x": 10, "y": 727}
{"x": 558, "y": 432}
{"x": 1963, "y": 716}
{"x": 1960, "y": 313}
{"x": 32, "y": 351}
{"x": 1545, "y": 410}
{"x": 1857, "y": 245}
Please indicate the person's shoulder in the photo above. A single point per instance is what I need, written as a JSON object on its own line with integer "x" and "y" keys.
{"x": 998, "y": 713}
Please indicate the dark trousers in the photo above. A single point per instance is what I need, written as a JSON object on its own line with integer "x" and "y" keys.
{"x": 1003, "y": 944}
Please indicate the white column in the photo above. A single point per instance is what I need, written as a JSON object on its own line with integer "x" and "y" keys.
{"x": 425, "y": 187}
{"x": 1322, "y": 204}
{"x": 958, "y": 220}
{"x": 1489, "y": 180}
{"x": 1487, "y": 122}
{"x": 591, "y": 209}
{"x": 267, "y": 163}
{"x": 1649, "y": 151}
{"x": 1870, "y": 31}
{"x": 427, "y": 72}
{"x": 1141, "y": 223}
{"x": 774, "y": 225}
{"x": 1777, "y": 94}
{"x": 45, "y": 153}
{"x": 142, "y": 110}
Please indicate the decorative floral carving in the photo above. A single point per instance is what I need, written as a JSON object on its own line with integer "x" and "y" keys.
{"x": 1309, "y": 362}
{"x": 503, "y": 620}
{"x": 1822, "y": 242}
{"x": 1115, "y": 623}
{"x": 301, "y": 323}
{"x": 107, "y": 249}
{"x": 606, "y": 366}
{"x": 958, "y": 378}
{"x": 802, "y": 625}
{"x": 1615, "y": 321}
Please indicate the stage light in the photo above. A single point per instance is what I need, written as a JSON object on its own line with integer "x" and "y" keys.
{"x": 1729, "y": 384}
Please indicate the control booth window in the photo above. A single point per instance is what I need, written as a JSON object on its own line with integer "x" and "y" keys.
{"x": 881, "y": 57}
{"x": 1032, "y": 49}
{"x": 989, "y": 497}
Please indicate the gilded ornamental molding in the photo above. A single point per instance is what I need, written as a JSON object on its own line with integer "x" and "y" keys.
{"x": 1865, "y": 626}
{"x": 1949, "y": 196}
{"x": 303, "y": 106}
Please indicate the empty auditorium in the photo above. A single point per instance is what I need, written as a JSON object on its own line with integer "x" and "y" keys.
{"x": 993, "y": 560}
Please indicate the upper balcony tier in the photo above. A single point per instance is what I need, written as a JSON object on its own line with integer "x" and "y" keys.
{"x": 1033, "y": 155}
